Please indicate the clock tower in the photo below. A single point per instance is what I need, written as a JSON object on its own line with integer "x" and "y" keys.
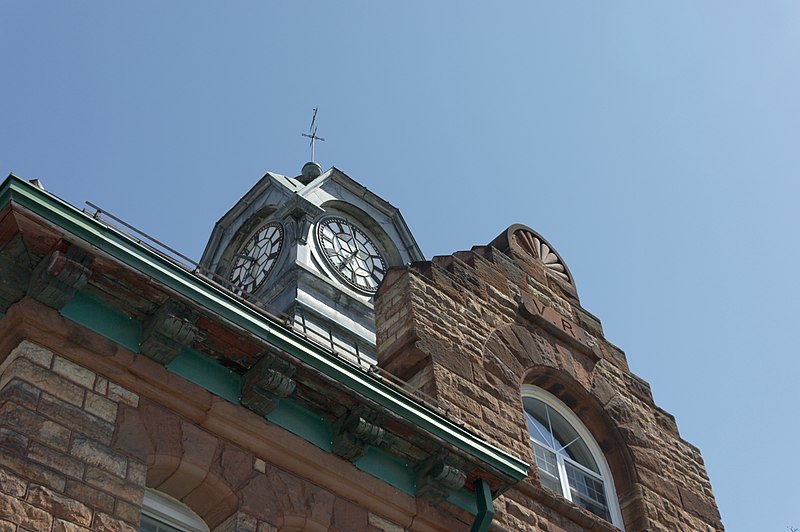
{"x": 313, "y": 249}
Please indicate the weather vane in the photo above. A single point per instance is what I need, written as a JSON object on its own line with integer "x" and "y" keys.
{"x": 312, "y": 133}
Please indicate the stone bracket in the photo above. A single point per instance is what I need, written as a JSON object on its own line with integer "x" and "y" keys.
{"x": 354, "y": 432}
{"x": 170, "y": 328}
{"x": 302, "y": 212}
{"x": 267, "y": 382}
{"x": 14, "y": 280}
{"x": 439, "y": 476}
{"x": 58, "y": 276}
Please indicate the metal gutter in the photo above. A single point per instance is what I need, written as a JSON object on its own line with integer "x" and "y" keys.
{"x": 70, "y": 219}
{"x": 483, "y": 497}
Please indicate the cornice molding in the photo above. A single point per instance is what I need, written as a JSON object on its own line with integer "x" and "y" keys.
{"x": 193, "y": 290}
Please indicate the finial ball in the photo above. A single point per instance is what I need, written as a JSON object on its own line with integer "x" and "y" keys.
{"x": 311, "y": 171}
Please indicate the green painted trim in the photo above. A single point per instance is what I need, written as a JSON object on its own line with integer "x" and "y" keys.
{"x": 485, "y": 513}
{"x": 303, "y": 423}
{"x": 465, "y": 500}
{"x": 104, "y": 319}
{"x": 195, "y": 289}
{"x": 207, "y": 374}
{"x": 100, "y": 317}
{"x": 386, "y": 467}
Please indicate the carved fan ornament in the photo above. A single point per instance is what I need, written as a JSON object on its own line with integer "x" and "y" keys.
{"x": 534, "y": 245}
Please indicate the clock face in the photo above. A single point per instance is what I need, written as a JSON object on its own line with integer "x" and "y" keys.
{"x": 350, "y": 253}
{"x": 254, "y": 261}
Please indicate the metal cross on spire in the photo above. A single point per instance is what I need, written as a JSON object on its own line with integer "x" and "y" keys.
{"x": 312, "y": 133}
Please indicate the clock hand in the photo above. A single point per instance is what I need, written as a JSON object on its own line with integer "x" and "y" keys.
{"x": 347, "y": 261}
{"x": 246, "y": 257}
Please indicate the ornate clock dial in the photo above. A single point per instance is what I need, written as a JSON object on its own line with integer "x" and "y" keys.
{"x": 350, "y": 253}
{"x": 254, "y": 261}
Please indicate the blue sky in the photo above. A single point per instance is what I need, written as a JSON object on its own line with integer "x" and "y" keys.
{"x": 654, "y": 144}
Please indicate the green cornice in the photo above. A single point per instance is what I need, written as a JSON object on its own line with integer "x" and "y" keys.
{"x": 203, "y": 294}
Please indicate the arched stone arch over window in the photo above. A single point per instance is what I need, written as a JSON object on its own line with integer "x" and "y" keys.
{"x": 569, "y": 460}
{"x": 519, "y": 358}
{"x": 184, "y": 461}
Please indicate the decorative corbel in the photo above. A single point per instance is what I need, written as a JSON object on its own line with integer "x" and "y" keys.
{"x": 267, "y": 382}
{"x": 14, "y": 280}
{"x": 58, "y": 276}
{"x": 302, "y": 213}
{"x": 439, "y": 476}
{"x": 169, "y": 329}
{"x": 354, "y": 432}
{"x": 302, "y": 224}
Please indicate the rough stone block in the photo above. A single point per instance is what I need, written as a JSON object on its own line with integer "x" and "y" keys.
{"x": 128, "y": 512}
{"x": 12, "y": 484}
{"x": 46, "y": 380}
{"x": 34, "y": 353}
{"x": 32, "y": 471}
{"x": 34, "y": 426}
{"x": 699, "y": 505}
{"x": 113, "y": 485}
{"x": 101, "y": 407}
{"x": 110, "y": 524}
{"x": 76, "y": 419}
{"x": 60, "y": 462}
{"x": 74, "y": 372}
{"x": 92, "y": 497}
{"x": 101, "y": 385}
{"x": 20, "y": 392}
{"x": 13, "y": 442}
{"x": 24, "y": 514}
{"x": 59, "y": 525}
{"x": 137, "y": 472}
{"x": 96, "y": 454}
{"x": 60, "y": 506}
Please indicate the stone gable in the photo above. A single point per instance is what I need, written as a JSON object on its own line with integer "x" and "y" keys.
{"x": 472, "y": 328}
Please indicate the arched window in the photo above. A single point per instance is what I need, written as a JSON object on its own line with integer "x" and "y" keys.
{"x": 569, "y": 460}
{"x": 162, "y": 513}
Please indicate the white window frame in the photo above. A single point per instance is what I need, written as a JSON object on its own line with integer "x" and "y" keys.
{"x": 171, "y": 512}
{"x": 566, "y": 412}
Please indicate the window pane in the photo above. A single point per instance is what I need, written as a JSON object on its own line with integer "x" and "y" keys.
{"x": 569, "y": 460}
{"x": 550, "y": 428}
{"x": 587, "y": 491}
{"x": 548, "y": 468}
{"x": 540, "y": 432}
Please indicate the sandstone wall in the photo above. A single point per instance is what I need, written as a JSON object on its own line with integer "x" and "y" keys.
{"x": 77, "y": 451}
{"x": 472, "y": 328}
